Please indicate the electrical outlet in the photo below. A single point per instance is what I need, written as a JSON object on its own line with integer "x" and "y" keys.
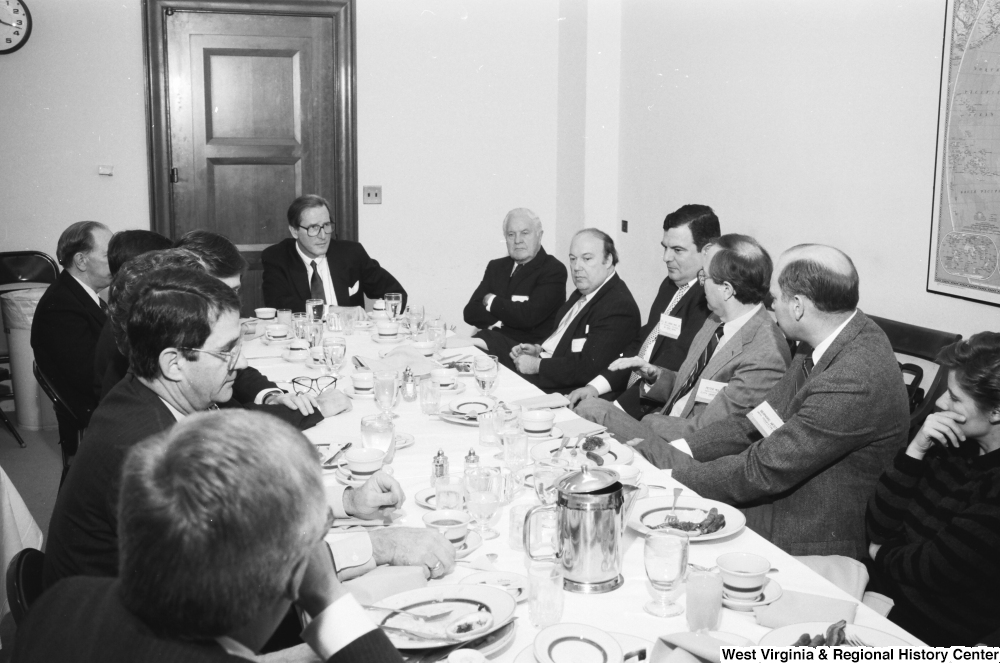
{"x": 372, "y": 195}
{"x": 624, "y": 226}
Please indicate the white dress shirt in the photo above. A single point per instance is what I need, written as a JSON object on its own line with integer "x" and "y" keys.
{"x": 87, "y": 289}
{"x": 323, "y": 268}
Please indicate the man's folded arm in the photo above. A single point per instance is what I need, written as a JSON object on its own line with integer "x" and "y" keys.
{"x": 548, "y": 294}
{"x": 475, "y": 313}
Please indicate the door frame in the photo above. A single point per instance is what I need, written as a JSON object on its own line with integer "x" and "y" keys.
{"x": 345, "y": 206}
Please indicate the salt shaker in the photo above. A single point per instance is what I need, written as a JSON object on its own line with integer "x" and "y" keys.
{"x": 471, "y": 460}
{"x": 439, "y": 467}
{"x": 409, "y": 386}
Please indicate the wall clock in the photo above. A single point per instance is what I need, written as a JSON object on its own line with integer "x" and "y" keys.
{"x": 15, "y": 25}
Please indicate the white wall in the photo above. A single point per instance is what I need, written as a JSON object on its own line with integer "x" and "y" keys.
{"x": 798, "y": 122}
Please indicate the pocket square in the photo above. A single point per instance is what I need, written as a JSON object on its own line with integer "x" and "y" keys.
{"x": 353, "y": 290}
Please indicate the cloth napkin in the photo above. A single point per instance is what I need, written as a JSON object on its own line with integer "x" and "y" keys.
{"x": 796, "y": 607}
{"x": 687, "y": 648}
{"x": 399, "y": 359}
{"x": 460, "y": 342}
{"x": 580, "y": 426}
{"x": 547, "y": 401}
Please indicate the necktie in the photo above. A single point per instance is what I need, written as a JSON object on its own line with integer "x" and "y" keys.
{"x": 696, "y": 372}
{"x": 655, "y": 331}
{"x": 552, "y": 341}
{"x": 316, "y": 284}
{"x": 514, "y": 271}
{"x": 104, "y": 305}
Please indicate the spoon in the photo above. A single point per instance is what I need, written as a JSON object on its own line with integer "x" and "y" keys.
{"x": 677, "y": 494}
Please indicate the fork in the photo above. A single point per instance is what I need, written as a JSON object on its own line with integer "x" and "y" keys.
{"x": 854, "y": 641}
{"x": 422, "y": 618}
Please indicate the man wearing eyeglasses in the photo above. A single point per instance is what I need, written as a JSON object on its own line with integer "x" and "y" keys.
{"x": 313, "y": 264}
{"x": 184, "y": 351}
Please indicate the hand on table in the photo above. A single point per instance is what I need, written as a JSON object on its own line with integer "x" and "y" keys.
{"x": 648, "y": 371}
{"x": 527, "y": 364}
{"x": 333, "y": 402}
{"x": 635, "y": 441}
{"x": 304, "y": 403}
{"x": 377, "y": 497}
{"x": 942, "y": 428}
{"x": 414, "y": 546}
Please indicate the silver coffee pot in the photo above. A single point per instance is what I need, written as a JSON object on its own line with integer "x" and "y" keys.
{"x": 591, "y": 511}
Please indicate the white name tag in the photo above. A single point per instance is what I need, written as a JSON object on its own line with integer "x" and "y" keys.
{"x": 765, "y": 419}
{"x": 518, "y": 298}
{"x": 353, "y": 290}
{"x": 708, "y": 390}
{"x": 669, "y": 326}
{"x": 577, "y": 344}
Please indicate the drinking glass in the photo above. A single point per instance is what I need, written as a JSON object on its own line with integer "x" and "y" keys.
{"x": 430, "y": 396}
{"x": 299, "y": 322}
{"x": 484, "y": 486}
{"x": 314, "y": 309}
{"x": 393, "y": 305}
{"x": 449, "y": 492}
{"x": 485, "y": 370}
{"x": 377, "y": 432}
{"x": 314, "y": 334}
{"x": 507, "y": 423}
{"x": 545, "y": 593}
{"x": 334, "y": 351}
{"x": 284, "y": 317}
{"x": 347, "y": 318}
{"x": 515, "y": 535}
{"x": 515, "y": 449}
{"x": 387, "y": 391}
{"x": 666, "y": 557}
{"x": 489, "y": 426}
{"x": 704, "y": 600}
{"x": 438, "y": 333}
{"x": 415, "y": 317}
{"x": 545, "y": 475}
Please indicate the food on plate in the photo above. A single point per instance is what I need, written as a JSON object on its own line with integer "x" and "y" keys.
{"x": 466, "y": 625}
{"x": 713, "y": 522}
{"x": 595, "y": 444}
{"x": 835, "y": 635}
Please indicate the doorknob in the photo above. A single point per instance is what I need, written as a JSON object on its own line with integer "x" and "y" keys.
{"x": 174, "y": 176}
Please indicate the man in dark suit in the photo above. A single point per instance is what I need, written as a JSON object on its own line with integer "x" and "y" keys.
{"x": 68, "y": 321}
{"x": 520, "y": 294}
{"x": 223, "y": 518}
{"x": 803, "y": 464}
{"x": 736, "y": 357}
{"x": 314, "y": 265}
{"x": 677, "y": 314}
{"x": 594, "y": 326}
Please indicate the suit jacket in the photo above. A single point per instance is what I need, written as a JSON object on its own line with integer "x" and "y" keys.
{"x": 83, "y": 531}
{"x": 353, "y": 272}
{"x": 667, "y": 352}
{"x": 751, "y": 362}
{"x": 542, "y": 281}
{"x": 604, "y": 325}
{"x": 805, "y": 487}
{"x": 83, "y": 619}
{"x": 64, "y": 332}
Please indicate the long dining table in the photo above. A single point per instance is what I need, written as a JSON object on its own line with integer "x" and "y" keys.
{"x": 618, "y": 611}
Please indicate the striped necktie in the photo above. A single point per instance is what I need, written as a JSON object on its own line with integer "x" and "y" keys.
{"x": 316, "y": 284}
{"x": 655, "y": 331}
{"x": 696, "y": 372}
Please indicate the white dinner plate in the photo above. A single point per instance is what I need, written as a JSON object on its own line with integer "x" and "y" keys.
{"x": 461, "y": 599}
{"x": 388, "y": 339}
{"x": 576, "y": 643}
{"x": 786, "y": 635}
{"x": 662, "y": 652}
{"x": 628, "y": 643}
{"x": 618, "y": 453}
{"x": 772, "y": 592}
{"x": 456, "y": 419}
{"x": 363, "y": 324}
{"x": 366, "y": 396}
{"x": 471, "y": 404}
{"x": 652, "y": 511}
{"x": 286, "y": 357}
{"x": 514, "y": 584}
{"x": 472, "y": 542}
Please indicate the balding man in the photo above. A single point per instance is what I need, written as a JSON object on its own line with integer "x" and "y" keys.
{"x": 803, "y": 464}
{"x": 520, "y": 294}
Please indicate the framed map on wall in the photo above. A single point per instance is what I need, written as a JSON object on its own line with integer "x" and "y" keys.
{"x": 965, "y": 226}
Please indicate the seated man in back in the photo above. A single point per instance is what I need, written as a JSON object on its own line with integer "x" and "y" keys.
{"x": 803, "y": 464}
{"x": 595, "y": 324}
{"x": 184, "y": 352}
{"x": 734, "y": 360}
{"x": 520, "y": 294}
{"x": 313, "y": 264}
{"x": 68, "y": 322}
{"x": 222, "y": 524}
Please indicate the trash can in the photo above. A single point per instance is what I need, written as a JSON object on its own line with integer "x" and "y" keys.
{"x": 34, "y": 409}
{"x": 17, "y": 285}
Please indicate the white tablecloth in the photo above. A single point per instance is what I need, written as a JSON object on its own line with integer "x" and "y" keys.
{"x": 618, "y": 611}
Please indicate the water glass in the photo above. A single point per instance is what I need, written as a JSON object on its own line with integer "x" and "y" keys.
{"x": 284, "y": 317}
{"x": 415, "y": 317}
{"x": 489, "y": 425}
{"x": 334, "y": 351}
{"x": 449, "y": 492}
{"x": 377, "y": 432}
{"x": 430, "y": 396}
{"x": 314, "y": 334}
{"x": 545, "y": 475}
{"x": 515, "y": 537}
{"x": 666, "y": 557}
{"x": 545, "y": 593}
{"x": 299, "y": 322}
{"x": 314, "y": 309}
{"x": 485, "y": 370}
{"x": 387, "y": 391}
{"x": 704, "y": 600}
{"x": 347, "y": 318}
{"x": 515, "y": 449}
{"x": 393, "y": 305}
{"x": 438, "y": 333}
{"x": 484, "y": 488}
{"x": 507, "y": 423}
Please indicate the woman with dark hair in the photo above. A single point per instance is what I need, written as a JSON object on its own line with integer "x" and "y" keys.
{"x": 934, "y": 520}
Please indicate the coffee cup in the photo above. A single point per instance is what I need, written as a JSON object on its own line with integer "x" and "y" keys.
{"x": 445, "y": 377}
{"x": 452, "y": 524}
{"x": 277, "y": 332}
{"x": 426, "y": 348}
{"x": 363, "y": 382}
{"x": 316, "y": 354}
{"x": 537, "y": 422}
{"x": 364, "y": 462}
{"x": 266, "y": 313}
{"x": 627, "y": 474}
{"x": 378, "y": 304}
{"x": 743, "y": 575}
{"x": 297, "y": 350}
{"x": 387, "y": 329}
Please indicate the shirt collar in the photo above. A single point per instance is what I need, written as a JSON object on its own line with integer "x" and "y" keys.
{"x": 587, "y": 298}
{"x": 178, "y": 415}
{"x": 235, "y": 648}
{"x": 306, "y": 259}
{"x": 86, "y": 288}
{"x": 828, "y": 341}
{"x": 733, "y": 326}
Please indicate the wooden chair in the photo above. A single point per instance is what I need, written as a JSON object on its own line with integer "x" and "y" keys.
{"x": 922, "y": 343}
{"x": 24, "y": 581}
{"x": 69, "y": 447}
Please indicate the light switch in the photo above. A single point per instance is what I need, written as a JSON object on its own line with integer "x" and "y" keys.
{"x": 106, "y": 170}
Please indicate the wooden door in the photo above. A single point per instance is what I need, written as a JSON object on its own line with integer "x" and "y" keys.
{"x": 257, "y": 108}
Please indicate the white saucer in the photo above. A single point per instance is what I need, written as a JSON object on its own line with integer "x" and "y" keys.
{"x": 276, "y": 341}
{"x": 404, "y": 440}
{"x": 366, "y": 396}
{"x": 772, "y": 592}
{"x": 345, "y": 477}
{"x": 284, "y": 355}
{"x": 472, "y": 542}
{"x": 363, "y": 324}
{"x": 456, "y": 388}
{"x": 426, "y": 498}
{"x": 554, "y": 433}
{"x": 388, "y": 339}
{"x": 566, "y": 643}
{"x": 629, "y": 643}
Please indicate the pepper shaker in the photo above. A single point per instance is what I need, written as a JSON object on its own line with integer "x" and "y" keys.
{"x": 409, "y": 386}
{"x": 471, "y": 460}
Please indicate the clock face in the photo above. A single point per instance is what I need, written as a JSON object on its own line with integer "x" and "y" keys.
{"x": 15, "y": 25}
